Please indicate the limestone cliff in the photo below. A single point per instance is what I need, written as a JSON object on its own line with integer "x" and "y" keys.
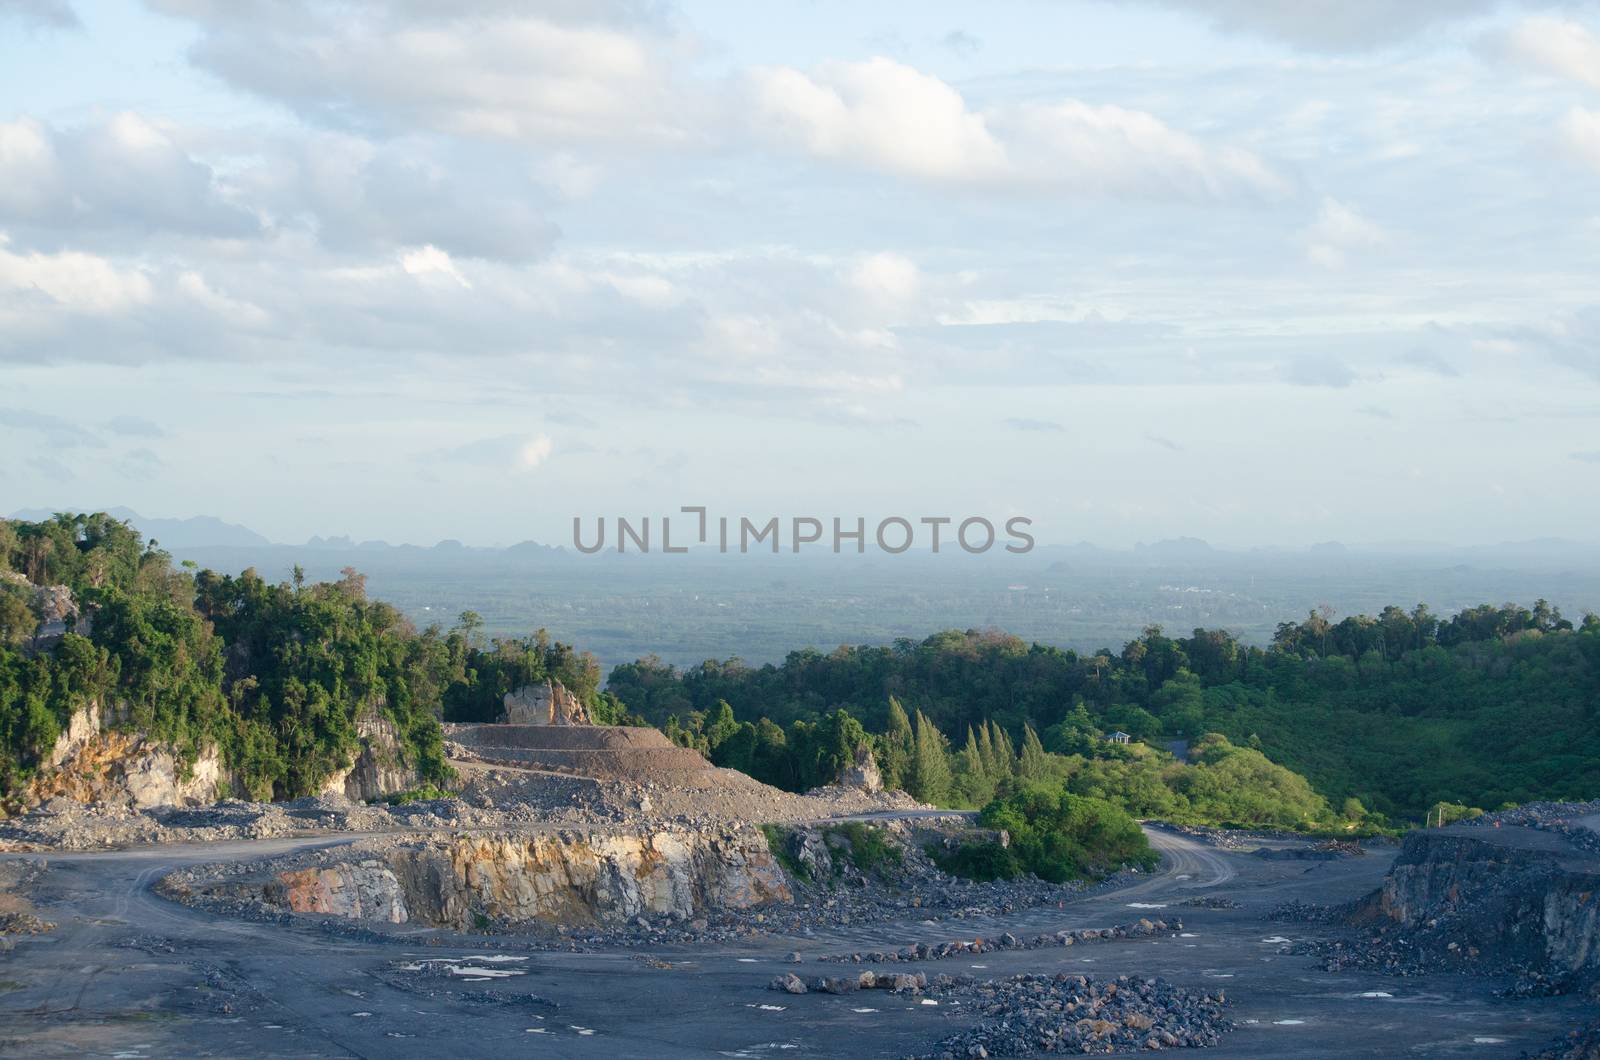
{"x": 379, "y": 768}
{"x": 544, "y": 703}
{"x": 553, "y": 878}
{"x": 94, "y": 764}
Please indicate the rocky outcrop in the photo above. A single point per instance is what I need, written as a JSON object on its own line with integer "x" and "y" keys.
{"x": 862, "y": 773}
{"x": 1512, "y": 898}
{"x": 553, "y": 878}
{"x": 380, "y": 767}
{"x": 544, "y": 703}
{"x": 93, "y": 764}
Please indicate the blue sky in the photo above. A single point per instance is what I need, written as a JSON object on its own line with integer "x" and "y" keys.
{"x": 1259, "y": 273}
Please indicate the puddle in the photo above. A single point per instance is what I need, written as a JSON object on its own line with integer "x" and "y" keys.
{"x": 747, "y": 960}
{"x": 770, "y": 1008}
{"x": 585, "y": 1031}
{"x": 1377, "y": 994}
{"x": 1187, "y": 935}
{"x": 978, "y": 966}
{"x": 535, "y": 1030}
{"x": 1275, "y": 938}
{"x": 1147, "y": 905}
{"x": 1220, "y": 975}
{"x": 863, "y": 1010}
{"x": 1287, "y": 1023}
{"x": 1485, "y": 1040}
{"x": 929, "y": 1001}
{"x": 360, "y": 1015}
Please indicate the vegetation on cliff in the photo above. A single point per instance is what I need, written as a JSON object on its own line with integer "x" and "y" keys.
{"x": 276, "y": 675}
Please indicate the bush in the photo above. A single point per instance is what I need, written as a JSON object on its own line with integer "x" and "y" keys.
{"x": 1058, "y": 836}
{"x": 869, "y": 850}
{"x": 977, "y": 861}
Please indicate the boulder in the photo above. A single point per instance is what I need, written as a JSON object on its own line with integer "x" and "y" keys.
{"x": 545, "y": 703}
{"x": 863, "y": 773}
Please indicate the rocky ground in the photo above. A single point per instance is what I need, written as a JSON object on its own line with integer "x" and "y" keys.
{"x": 1506, "y": 896}
{"x": 490, "y": 797}
{"x": 1025, "y": 1014}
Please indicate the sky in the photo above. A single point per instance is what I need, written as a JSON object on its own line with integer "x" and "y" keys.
{"x": 1256, "y": 272}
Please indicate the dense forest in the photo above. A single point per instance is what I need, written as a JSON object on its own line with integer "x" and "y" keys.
{"x": 1361, "y": 722}
{"x": 275, "y": 675}
{"x": 1386, "y": 716}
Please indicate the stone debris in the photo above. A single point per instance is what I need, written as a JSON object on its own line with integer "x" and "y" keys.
{"x": 923, "y": 951}
{"x": 1028, "y": 1014}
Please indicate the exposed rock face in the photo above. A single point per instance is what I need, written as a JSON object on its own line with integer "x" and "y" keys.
{"x": 90, "y": 764}
{"x": 546, "y": 703}
{"x": 863, "y": 772}
{"x": 379, "y": 769}
{"x": 365, "y": 891}
{"x": 555, "y": 878}
{"x": 1518, "y": 896}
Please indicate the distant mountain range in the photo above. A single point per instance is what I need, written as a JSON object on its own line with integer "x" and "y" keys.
{"x": 200, "y": 531}
{"x": 209, "y": 532}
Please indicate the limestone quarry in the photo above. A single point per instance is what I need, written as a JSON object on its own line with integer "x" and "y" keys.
{"x": 574, "y": 865}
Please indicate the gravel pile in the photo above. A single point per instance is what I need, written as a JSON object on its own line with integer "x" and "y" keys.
{"x": 1025, "y": 1015}
{"x": 922, "y": 951}
{"x": 1030, "y": 1014}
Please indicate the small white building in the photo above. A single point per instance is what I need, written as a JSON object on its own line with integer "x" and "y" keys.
{"x": 1118, "y": 737}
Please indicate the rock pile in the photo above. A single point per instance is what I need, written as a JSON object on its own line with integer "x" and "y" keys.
{"x": 922, "y": 951}
{"x": 1027, "y": 1014}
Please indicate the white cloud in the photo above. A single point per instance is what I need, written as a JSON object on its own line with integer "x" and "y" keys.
{"x": 1338, "y": 230}
{"x": 535, "y": 452}
{"x": 1328, "y": 25}
{"x": 887, "y": 277}
{"x": 71, "y": 281}
{"x": 1556, "y": 46}
{"x": 125, "y": 172}
{"x": 540, "y": 72}
{"x": 430, "y": 261}
{"x": 1580, "y": 135}
{"x": 886, "y": 116}
{"x": 883, "y": 114}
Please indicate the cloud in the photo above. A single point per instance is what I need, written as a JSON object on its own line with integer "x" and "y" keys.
{"x": 535, "y": 451}
{"x": 1338, "y": 231}
{"x": 57, "y": 432}
{"x": 1377, "y": 412}
{"x": 1165, "y": 443}
{"x": 69, "y": 281}
{"x": 431, "y": 261}
{"x": 1317, "y": 370}
{"x": 1328, "y": 25}
{"x": 542, "y": 72}
{"x": 135, "y": 427}
{"x": 140, "y": 464}
{"x": 961, "y": 42}
{"x": 359, "y": 196}
{"x": 1588, "y": 456}
{"x": 887, "y": 277}
{"x": 47, "y": 14}
{"x": 1553, "y": 46}
{"x": 51, "y": 468}
{"x": 517, "y": 452}
{"x": 1023, "y": 423}
{"x": 887, "y": 117}
{"x": 123, "y": 173}
{"x": 1580, "y": 135}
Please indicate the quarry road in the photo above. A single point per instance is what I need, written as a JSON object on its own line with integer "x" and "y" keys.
{"x": 131, "y": 976}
